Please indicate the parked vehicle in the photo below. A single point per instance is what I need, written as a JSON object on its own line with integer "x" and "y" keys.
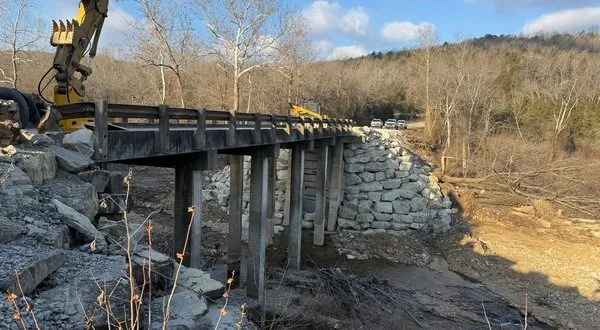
{"x": 390, "y": 124}
{"x": 376, "y": 123}
{"x": 401, "y": 124}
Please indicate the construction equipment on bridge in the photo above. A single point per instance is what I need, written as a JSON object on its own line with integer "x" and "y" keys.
{"x": 73, "y": 39}
{"x": 307, "y": 109}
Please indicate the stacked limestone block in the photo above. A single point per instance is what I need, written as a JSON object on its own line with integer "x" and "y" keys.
{"x": 216, "y": 188}
{"x": 387, "y": 189}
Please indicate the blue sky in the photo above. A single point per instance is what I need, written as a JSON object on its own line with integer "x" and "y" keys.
{"x": 346, "y": 28}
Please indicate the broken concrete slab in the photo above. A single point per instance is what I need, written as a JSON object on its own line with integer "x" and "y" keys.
{"x": 79, "y": 222}
{"x": 71, "y": 161}
{"x": 31, "y": 260}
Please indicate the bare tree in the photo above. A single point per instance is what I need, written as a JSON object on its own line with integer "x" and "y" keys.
{"x": 167, "y": 40}
{"x": 243, "y": 35}
{"x": 428, "y": 38}
{"x": 296, "y": 51}
{"x": 19, "y": 32}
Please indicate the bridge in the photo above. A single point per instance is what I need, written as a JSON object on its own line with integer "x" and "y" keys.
{"x": 189, "y": 140}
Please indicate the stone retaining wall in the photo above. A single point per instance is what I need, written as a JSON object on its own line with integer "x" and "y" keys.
{"x": 387, "y": 189}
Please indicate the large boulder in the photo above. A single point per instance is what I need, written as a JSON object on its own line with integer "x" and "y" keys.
{"x": 13, "y": 181}
{"x": 39, "y": 166}
{"x": 98, "y": 178}
{"x": 81, "y": 141}
{"x": 81, "y": 196}
{"x": 199, "y": 282}
{"x": 71, "y": 161}
{"x": 88, "y": 283}
{"x": 186, "y": 312}
{"x": 79, "y": 222}
{"x": 115, "y": 233}
{"x": 160, "y": 267}
{"x": 31, "y": 260}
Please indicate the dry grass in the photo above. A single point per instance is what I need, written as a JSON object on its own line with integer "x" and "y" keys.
{"x": 569, "y": 182}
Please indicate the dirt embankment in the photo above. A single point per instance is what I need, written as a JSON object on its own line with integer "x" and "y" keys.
{"x": 526, "y": 251}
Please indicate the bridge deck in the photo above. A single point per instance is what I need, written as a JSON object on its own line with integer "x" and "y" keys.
{"x": 181, "y": 131}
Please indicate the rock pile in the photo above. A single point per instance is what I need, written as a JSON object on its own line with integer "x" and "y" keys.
{"x": 216, "y": 188}
{"x": 389, "y": 190}
{"x": 56, "y": 246}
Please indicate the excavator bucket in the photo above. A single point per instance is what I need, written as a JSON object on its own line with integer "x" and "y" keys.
{"x": 62, "y": 34}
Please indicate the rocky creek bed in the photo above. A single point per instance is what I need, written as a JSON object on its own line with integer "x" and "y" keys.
{"x": 66, "y": 265}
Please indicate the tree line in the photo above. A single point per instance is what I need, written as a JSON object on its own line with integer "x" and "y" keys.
{"x": 255, "y": 55}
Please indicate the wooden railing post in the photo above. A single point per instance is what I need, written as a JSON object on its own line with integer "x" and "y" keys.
{"x": 257, "y": 132}
{"x": 162, "y": 138}
{"x": 232, "y": 126}
{"x": 101, "y": 130}
{"x": 273, "y": 128}
{"x": 200, "y": 133}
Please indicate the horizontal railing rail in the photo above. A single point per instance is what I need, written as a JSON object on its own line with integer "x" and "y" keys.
{"x": 166, "y": 130}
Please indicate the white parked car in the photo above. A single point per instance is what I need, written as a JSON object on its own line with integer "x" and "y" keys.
{"x": 390, "y": 124}
{"x": 376, "y": 123}
{"x": 401, "y": 124}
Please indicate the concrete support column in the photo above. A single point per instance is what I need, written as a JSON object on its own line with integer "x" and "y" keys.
{"x": 321, "y": 195}
{"x": 188, "y": 193}
{"x": 236, "y": 190}
{"x": 296, "y": 196}
{"x": 336, "y": 186}
{"x": 257, "y": 231}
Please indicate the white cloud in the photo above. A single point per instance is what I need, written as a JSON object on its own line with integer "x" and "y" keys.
{"x": 326, "y": 17}
{"x": 344, "y": 52}
{"x": 355, "y": 21}
{"x": 568, "y": 20}
{"x": 402, "y": 31}
{"x": 322, "y": 46}
{"x": 508, "y": 6}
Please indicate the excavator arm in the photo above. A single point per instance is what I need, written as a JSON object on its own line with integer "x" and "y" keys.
{"x": 74, "y": 39}
{"x": 305, "y": 111}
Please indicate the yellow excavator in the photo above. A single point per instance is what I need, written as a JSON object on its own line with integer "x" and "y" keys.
{"x": 73, "y": 39}
{"x": 307, "y": 109}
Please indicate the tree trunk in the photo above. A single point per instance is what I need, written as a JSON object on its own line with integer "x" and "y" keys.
{"x": 180, "y": 87}
{"x": 249, "y": 92}
{"x": 15, "y": 69}
{"x": 236, "y": 93}
{"x": 290, "y": 85}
